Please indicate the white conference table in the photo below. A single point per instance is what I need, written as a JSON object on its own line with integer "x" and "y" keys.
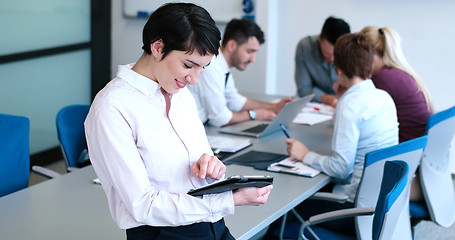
{"x": 72, "y": 207}
{"x": 288, "y": 190}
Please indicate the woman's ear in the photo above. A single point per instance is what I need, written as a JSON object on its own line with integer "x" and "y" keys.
{"x": 156, "y": 48}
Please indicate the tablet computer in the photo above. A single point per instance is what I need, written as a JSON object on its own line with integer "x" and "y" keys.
{"x": 232, "y": 183}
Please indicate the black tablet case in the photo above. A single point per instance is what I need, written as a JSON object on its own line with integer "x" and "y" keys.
{"x": 257, "y": 159}
{"x": 232, "y": 183}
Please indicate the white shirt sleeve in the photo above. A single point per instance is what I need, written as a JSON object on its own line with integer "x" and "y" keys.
{"x": 217, "y": 100}
{"x": 211, "y": 96}
{"x": 344, "y": 147}
{"x": 143, "y": 159}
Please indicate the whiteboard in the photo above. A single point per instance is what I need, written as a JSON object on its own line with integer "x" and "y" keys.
{"x": 221, "y": 10}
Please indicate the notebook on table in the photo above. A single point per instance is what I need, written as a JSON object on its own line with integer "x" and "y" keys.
{"x": 227, "y": 143}
{"x": 261, "y": 128}
{"x": 224, "y": 146}
{"x": 293, "y": 167}
{"x": 257, "y": 159}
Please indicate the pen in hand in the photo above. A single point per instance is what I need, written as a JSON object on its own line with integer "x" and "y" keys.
{"x": 285, "y": 131}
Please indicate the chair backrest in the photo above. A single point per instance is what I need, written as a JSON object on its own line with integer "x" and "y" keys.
{"x": 369, "y": 186}
{"x": 14, "y": 153}
{"x": 435, "y": 176}
{"x": 393, "y": 196}
{"x": 70, "y": 130}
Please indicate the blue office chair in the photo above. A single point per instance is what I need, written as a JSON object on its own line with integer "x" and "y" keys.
{"x": 14, "y": 153}
{"x": 70, "y": 130}
{"x": 369, "y": 186}
{"x": 391, "y": 203}
{"x": 411, "y": 152}
{"x": 435, "y": 177}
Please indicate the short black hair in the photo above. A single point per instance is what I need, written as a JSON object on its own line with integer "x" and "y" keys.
{"x": 242, "y": 29}
{"x": 333, "y": 28}
{"x": 183, "y": 27}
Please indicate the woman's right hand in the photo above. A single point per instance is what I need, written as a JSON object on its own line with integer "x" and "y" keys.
{"x": 252, "y": 195}
{"x": 296, "y": 149}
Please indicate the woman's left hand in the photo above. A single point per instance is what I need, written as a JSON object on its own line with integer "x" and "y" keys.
{"x": 208, "y": 166}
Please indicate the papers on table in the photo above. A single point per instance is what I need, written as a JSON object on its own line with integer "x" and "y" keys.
{"x": 293, "y": 167}
{"x": 311, "y": 118}
{"x": 227, "y": 144}
{"x": 314, "y": 113}
{"x": 319, "y": 108}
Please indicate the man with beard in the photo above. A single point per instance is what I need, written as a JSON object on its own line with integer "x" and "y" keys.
{"x": 218, "y": 101}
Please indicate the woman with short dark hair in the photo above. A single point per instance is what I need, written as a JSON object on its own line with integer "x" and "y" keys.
{"x": 147, "y": 144}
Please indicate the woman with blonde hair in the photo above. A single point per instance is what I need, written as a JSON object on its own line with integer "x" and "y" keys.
{"x": 392, "y": 73}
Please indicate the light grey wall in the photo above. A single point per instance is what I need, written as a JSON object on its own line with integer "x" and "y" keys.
{"x": 426, "y": 28}
{"x": 126, "y": 37}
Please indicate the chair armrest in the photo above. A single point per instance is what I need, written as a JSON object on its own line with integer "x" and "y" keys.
{"x": 45, "y": 172}
{"x": 327, "y": 196}
{"x": 343, "y": 213}
{"x": 333, "y": 215}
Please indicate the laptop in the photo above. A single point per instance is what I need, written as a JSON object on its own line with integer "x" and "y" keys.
{"x": 261, "y": 128}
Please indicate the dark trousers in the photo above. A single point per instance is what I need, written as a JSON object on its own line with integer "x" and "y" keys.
{"x": 199, "y": 231}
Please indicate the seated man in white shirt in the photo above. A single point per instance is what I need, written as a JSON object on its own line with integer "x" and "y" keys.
{"x": 217, "y": 98}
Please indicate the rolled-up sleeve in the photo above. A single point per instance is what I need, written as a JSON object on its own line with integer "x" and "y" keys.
{"x": 344, "y": 147}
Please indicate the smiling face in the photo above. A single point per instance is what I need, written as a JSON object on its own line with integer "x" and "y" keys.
{"x": 179, "y": 68}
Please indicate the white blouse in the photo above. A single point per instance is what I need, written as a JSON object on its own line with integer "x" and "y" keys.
{"x": 143, "y": 158}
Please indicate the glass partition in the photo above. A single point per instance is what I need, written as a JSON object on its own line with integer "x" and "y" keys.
{"x": 33, "y": 25}
{"x": 38, "y": 76}
{"x": 38, "y": 88}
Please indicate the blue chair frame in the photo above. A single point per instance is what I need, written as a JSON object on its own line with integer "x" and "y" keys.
{"x": 70, "y": 130}
{"x": 369, "y": 188}
{"x": 391, "y": 202}
{"x": 411, "y": 152}
{"x": 435, "y": 176}
{"x": 14, "y": 153}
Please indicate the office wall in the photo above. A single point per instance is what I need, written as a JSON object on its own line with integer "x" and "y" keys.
{"x": 425, "y": 27}
{"x": 44, "y": 64}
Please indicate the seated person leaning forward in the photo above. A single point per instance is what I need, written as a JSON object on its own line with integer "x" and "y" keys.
{"x": 365, "y": 120}
{"x": 393, "y": 73}
{"x": 216, "y": 96}
{"x": 314, "y": 69}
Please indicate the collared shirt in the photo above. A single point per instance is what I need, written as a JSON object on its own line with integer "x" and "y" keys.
{"x": 365, "y": 121}
{"x": 312, "y": 74}
{"x": 215, "y": 98}
{"x": 143, "y": 158}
